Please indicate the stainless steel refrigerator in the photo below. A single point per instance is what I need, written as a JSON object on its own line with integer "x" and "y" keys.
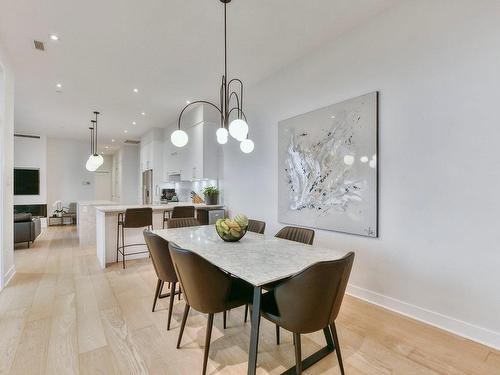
{"x": 147, "y": 187}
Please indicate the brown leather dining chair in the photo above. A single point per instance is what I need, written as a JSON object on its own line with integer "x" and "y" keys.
{"x": 178, "y": 212}
{"x": 206, "y": 289}
{"x": 133, "y": 218}
{"x": 256, "y": 226}
{"x": 164, "y": 268}
{"x": 321, "y": 288}
{"x": 182, "y": 222}
{"x": 297, "y": 234}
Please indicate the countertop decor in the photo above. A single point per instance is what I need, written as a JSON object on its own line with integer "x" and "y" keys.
{"x": 232, "y": 230}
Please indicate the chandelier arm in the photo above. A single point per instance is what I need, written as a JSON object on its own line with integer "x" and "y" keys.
{"x": 241, "y": 92}
{"x": 239, "y": 110}
{"x": 237, "y": 100}
{"x": 196, "y": 102}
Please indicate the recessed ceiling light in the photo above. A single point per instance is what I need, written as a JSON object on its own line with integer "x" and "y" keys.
{"x": 143, "y": 113}
{"x": 54, "y": 37}
{"x": 136, "y": 90}
{"x": 125, "y": 131}
{"x": 188, "y": 102}
{"x": 59, "y": 85}
{"x": 112, "y": 140}
{"x": 133, "y": 122}
{"x": 106, "y": 146}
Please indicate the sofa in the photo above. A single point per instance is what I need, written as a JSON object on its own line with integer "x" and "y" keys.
{"x": 26, "y": 228}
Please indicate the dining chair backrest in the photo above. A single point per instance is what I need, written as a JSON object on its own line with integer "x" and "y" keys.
{"x": 256, "y": 226}
{"x": 310, "y": 300}
{"x": 182, "y": 222}
{"x": 205, "y": 287}
{"x": 182, "y": 211}
{"x": 160, "y": 255}
{"x": 297, "y": 234}
{"x": 138, "y": 217}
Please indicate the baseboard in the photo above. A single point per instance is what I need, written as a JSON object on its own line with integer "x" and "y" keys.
{"x": 458, "y": 327}
{"x": 9, "y": 275}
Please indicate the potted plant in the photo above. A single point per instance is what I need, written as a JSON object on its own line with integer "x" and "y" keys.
{"x": 211, "y": 194}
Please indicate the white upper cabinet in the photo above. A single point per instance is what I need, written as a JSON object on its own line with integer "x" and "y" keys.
{"x": 199, "y": 159}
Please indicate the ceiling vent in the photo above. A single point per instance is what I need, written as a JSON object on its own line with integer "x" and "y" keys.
{"x": 39, "y": 45}
{"x": 27, "y": 136}
{"x": 130, "y": 142}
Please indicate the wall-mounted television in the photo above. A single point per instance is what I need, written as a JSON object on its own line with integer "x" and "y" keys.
{"x": 26, "y": 181}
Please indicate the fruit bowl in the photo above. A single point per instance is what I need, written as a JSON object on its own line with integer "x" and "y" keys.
{"x": 232, "y": 230}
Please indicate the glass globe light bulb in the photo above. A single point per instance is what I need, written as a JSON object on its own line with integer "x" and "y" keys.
{"x": 222, "y": 135}
{"x": 91, "y": 165}
{"x": 247, "y": 146}
{"x": 179, "y": 138}
{"x": 238, "y": 129}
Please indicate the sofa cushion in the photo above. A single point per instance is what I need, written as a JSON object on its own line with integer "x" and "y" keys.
{"x": 22, "y": 217}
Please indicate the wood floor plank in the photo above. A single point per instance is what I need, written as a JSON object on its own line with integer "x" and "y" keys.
{"x": 31, "y": 354}
{"x": 124, "y": 349}
{"x": 99, "y": 361}
{"x": 90, "y": 330}
{"x": 62, "y": 355}
{"x": 11, "y": 329}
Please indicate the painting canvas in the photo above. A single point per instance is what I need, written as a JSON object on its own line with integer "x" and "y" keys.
{"x": 328, "y": 167}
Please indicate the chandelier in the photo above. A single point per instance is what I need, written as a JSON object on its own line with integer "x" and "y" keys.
{"x": 95, "y": 160}
{"x": 231, "y": 103}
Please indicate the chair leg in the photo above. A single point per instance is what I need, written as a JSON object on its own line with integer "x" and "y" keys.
{"x": 246, "y": 312}
{"x": 123, "y": 244}
{"x": 298, "y": 354}
{"x": 171, "y": 304}
{"x": 277, "y": 334}
{"x": 117, "y": 241}
{"x": 157, "y": 293}
{"x": 337, "y": 347}
{"x": 224, "y": 319}
{"x": 183, "y": 324}
{"x": 207, "y": 342}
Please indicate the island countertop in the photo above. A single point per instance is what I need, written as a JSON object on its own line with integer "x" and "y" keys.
{"x": 160, "y": 207}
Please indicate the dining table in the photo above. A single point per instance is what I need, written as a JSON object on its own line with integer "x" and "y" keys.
{"x": 259, "y": 260}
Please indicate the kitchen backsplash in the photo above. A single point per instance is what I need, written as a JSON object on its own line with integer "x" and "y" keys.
{"x": 184, "y": 188}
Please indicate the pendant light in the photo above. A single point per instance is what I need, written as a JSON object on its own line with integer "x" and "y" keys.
{"x": 95, "y": 160}
{"x": 231, "y": 102}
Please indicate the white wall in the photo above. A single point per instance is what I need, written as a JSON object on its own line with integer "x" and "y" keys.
{"x": 7, "y": 268}
{"x": 127, "y": 177}
{"x": 436, "y": 65}
{"x": 32, "y": 153}
{"x": 67, "y": 178}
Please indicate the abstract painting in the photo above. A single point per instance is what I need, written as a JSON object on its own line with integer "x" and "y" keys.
{"x": 327, "y": 165}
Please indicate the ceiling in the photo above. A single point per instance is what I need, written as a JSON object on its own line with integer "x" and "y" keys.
{"x": 171, "y": 51}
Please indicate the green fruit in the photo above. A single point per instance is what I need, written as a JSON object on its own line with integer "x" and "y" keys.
{"x": 224, "y": 226}
{"x": 235, "y": 233}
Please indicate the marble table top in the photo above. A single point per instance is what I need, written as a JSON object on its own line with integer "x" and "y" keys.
{"x": 160, "y": 207}
{"x": 256, "y": 258}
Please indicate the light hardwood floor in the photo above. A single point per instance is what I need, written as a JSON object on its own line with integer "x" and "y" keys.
{"x": 61, "y": 314}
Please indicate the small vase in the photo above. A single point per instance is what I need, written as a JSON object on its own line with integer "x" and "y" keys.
{"x": 211, "y": 199}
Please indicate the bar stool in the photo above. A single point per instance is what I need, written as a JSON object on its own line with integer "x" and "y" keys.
{"x": 178, "y": 212}
{"x": 133, "y": 218}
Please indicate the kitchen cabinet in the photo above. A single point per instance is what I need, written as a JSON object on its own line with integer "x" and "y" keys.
{"x": 198, "y": 160}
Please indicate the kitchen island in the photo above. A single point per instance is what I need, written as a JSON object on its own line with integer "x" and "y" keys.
{"x": 107, "y": 223}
